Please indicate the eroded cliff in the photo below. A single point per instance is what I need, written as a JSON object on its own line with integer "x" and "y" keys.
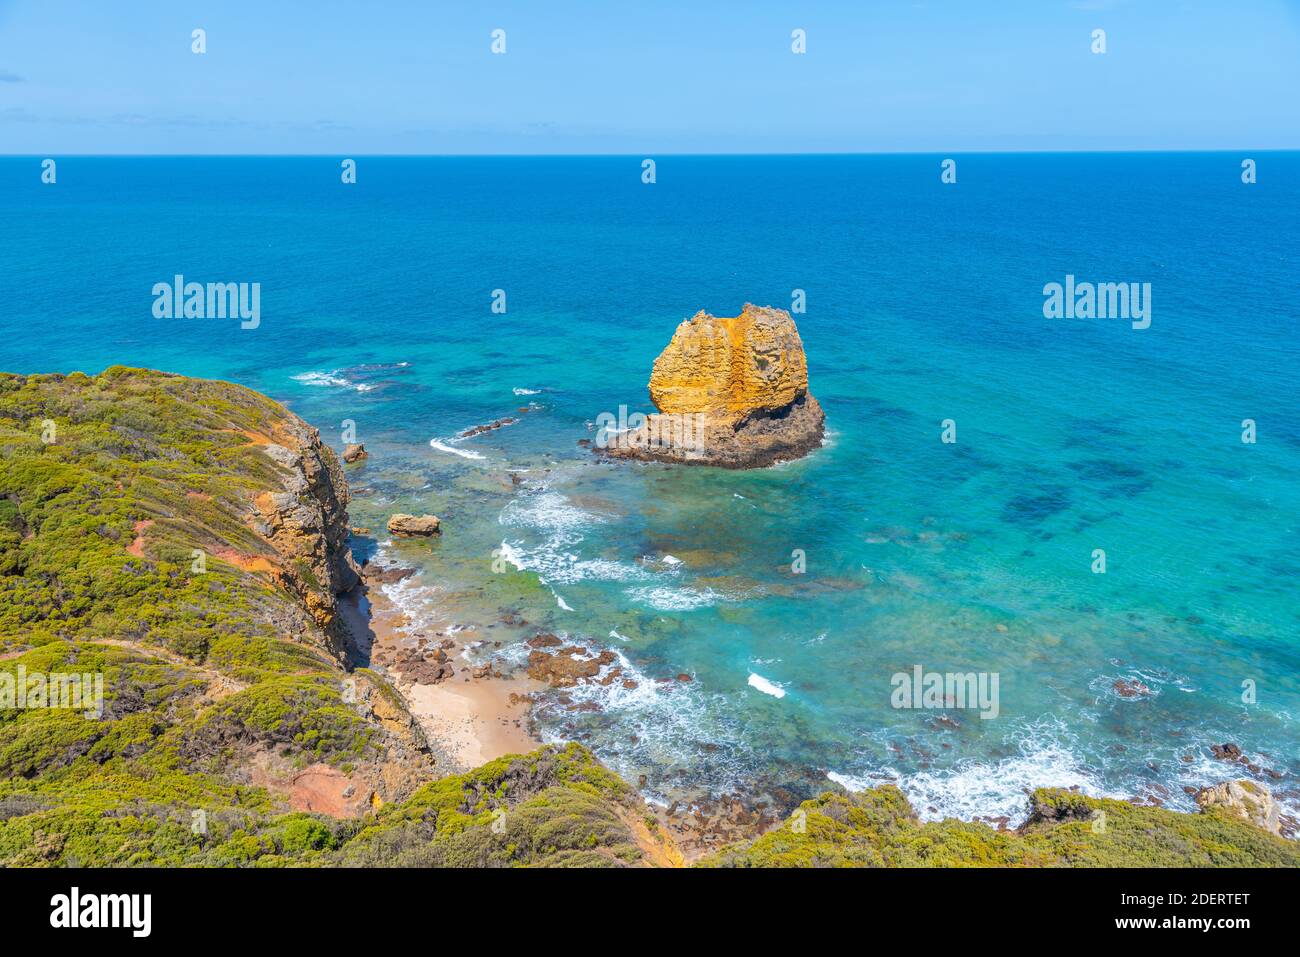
{"x": 185, "y": 543}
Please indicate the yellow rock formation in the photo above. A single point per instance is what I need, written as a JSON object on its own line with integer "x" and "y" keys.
{"x": 729, "y": 367}
{"x": 731, "y": 392}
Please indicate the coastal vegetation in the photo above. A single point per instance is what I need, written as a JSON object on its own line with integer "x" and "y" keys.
{"x": 878, "y": 828}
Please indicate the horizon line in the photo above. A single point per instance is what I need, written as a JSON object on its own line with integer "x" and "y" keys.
{"x": 655, "y": 153}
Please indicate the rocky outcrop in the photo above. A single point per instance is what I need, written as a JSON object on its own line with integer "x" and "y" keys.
{"x": 1246, "y": 800}
{"x": 355, "y": 453}
{"x": 425, "y": 665}
{"x": 416, "y": 525}
{"x": 306, "y": 522}
{"x": 731, "y": 392}
{"x": 1226, "y": 751}
{"x": 563, "y": 666}
{"x": 568, "y": 666}
{"x": 192, "y": 538}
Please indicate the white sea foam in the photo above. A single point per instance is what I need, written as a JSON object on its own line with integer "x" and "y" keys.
{"x": 759, "y": 683}
{"x": 667, "y": 721}
{"x": 512, "y": 555}
{"x": 562, "y": 524}
{"x": 573, "y": 569}
{"x": 526, "y": 391}
{"x": 463, "y": 453}
{"x": 615, "y": 634}
{"x": 322, "y": 378}
{"x": 1154, "y": 680}
{"x": 332, "y": 379}
{"x": 413, "y": 595}
{"x": 998, "y": 788}
{"x": 851, "y": 783}
{"x": 548, "y": 511}
{"x": 560, "y": 601}
{"x": 667, "y": 598}
{"x": 555, "y": 565}
{"x": 992, "y": 789}
{"x": 671, "y": 560}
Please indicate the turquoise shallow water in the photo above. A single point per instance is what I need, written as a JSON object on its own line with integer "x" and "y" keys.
{"x": 924, "y": 304}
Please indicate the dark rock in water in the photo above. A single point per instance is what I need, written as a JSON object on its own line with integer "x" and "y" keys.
{"x": 1226, "y": 752}
{"x": 489, "y": 427}
{"x": 1105, "y": 470}
{"x": 731, "y": 392}
{"x": 563, "y": 670}
{"x": 1131, "y": 689}
{"x": 1030, "y": 508}
{"x": 388, "y": 576}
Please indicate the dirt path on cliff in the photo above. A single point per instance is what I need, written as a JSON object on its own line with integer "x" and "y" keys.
{"x": 219, "y": 685}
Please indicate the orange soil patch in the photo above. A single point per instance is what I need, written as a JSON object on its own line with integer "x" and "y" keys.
{"x": 257, "y": 438}
{"x": 248, "y": 563}
{"x": 320, "y": 789}
{"x": 657, "y": 845}
{"x": 136, "y": 548}
{"x": 199, "y": 495}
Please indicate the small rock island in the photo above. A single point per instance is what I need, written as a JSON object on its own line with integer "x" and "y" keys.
{"x": 731, "y": 392}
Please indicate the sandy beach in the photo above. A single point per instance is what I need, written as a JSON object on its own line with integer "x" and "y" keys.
{"x": 470, "y": 715}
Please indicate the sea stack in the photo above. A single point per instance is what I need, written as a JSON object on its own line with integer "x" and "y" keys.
{"x": 731, "y": 392}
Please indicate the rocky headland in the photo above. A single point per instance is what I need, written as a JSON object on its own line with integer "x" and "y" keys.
{"x": 731, "y": 392}
{"x": 189, "y": 541}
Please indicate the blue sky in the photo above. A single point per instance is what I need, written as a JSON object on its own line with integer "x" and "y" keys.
{"x": 617, "y": 76}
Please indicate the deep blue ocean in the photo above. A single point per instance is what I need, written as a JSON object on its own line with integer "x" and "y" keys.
{"x": 924, "y": 303}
